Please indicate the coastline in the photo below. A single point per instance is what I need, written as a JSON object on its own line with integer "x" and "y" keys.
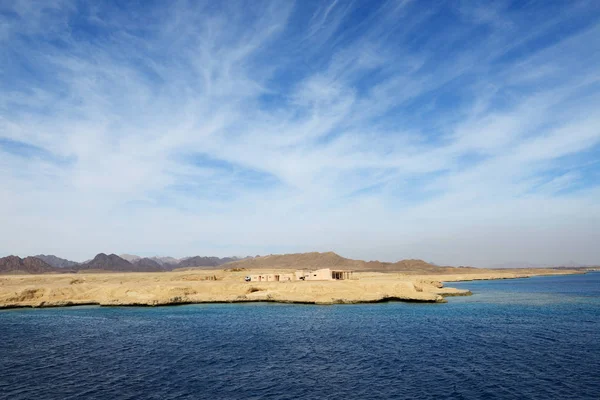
{"x": 222, "y": 286}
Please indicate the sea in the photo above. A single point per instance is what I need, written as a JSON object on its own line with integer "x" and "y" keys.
{"x": 536, "y": 338}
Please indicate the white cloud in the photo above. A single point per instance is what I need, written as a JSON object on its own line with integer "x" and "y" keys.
{"x": 195, "y": 130}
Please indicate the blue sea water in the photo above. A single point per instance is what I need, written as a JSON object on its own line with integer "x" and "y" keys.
{"x": 536, "y": 338}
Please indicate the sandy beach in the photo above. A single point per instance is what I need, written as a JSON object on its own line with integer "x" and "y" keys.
{"x": 208, "y": 286}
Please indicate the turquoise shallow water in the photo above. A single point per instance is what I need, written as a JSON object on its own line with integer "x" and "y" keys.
{"x": 535, "y": 338}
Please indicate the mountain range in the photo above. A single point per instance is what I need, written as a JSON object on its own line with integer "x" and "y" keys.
{"x": 105, "y": 262}
{"x": 27, "y": 265}
{"x": 317, "y": 260}
{"x": 112, "y": 262}
{"x": 133, "y": 263}
{"x": 56, "y": 261}
{"x": 205, "y": 261}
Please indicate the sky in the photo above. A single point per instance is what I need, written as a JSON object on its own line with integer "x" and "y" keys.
{"x": 457, "y": 132}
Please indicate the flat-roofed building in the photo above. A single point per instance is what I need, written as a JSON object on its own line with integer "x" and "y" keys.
{"x": 270, "y": 278}
{"x": 324, "y": 274}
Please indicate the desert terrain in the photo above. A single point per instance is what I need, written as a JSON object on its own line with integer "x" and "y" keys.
{"x": 197, "y": 285}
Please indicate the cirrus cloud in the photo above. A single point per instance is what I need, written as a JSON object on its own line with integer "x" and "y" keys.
{"x": 453, "y": 132}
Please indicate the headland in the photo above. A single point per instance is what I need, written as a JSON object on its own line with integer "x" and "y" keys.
{"x": 229, "y": 285}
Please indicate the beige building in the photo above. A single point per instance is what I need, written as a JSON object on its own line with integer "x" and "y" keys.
{"x": 325, "y": 274}
{"x": 270, "y": 278}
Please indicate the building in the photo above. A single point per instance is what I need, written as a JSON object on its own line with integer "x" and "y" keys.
{"x": 325, "y": 274}
{"x": 270, "y": 278}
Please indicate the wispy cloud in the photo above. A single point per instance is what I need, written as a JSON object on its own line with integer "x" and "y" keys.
{"x": 455, "y": 132}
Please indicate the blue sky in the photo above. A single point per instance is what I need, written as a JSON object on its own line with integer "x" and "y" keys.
{"x": 459, "y": 132}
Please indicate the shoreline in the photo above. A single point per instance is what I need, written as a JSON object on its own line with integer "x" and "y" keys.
{"x": 193, "y": 287}
{"x": 172, "y": 304}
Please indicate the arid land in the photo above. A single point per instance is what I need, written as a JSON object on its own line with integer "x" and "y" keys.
{"x": 228, "y": 285}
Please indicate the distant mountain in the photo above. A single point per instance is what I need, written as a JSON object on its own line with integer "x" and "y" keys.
{"x": 170, "y": 263}
{"x": 148, "y": 264}
{"x": 166, "y": 260}
{"x": 526, "y": 264}
{"x": 162, "y": 261}
{"x": 27, "y": 265}
{"x": 204, "y": 261}
{"x": 56, "y": 261}
{"x": 111, "y": 262}
{"x": 573, "y": 264}
{"x": 129, "y": 257}
{"x": 518, "y": 264}
{"x": 317, "y": 260}
{"x": 298, "y": 261}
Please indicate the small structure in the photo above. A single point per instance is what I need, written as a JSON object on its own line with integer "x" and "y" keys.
{"x": 270, "y": 278}
{"x": 341, "y": 275}
{"x": 325, "y": 274}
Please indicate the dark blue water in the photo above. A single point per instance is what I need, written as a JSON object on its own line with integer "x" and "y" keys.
{"x": 533, "y": 338}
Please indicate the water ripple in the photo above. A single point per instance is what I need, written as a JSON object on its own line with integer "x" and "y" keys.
{"x": 499, "y": 344}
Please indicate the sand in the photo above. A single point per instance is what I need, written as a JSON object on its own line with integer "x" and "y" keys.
{"x": 207, "y": 286}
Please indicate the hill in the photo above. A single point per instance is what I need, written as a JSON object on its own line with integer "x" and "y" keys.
{"x": 314, "y": 260}
{"x": 27, "y": 265}
{"x": 114, "y": 263}
{"x": 148, "y": 264}
{"x": 170, "y": 263}
{"x": 167, "y": 262}
{"x": 317, "y": 260}
{"x": 130, "y": 257}
{"x": 56, "y": 261}
{"x": 296, "y": 261}
{"x": 204, "y": 262}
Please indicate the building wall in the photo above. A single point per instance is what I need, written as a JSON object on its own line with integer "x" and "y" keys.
{"x": 319, "y": 275}
{"x": 301, "y": 273}
{"x": 341, "y": 274}
{"x": 327, "y": 274}
{"x": 271, "y": 277}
